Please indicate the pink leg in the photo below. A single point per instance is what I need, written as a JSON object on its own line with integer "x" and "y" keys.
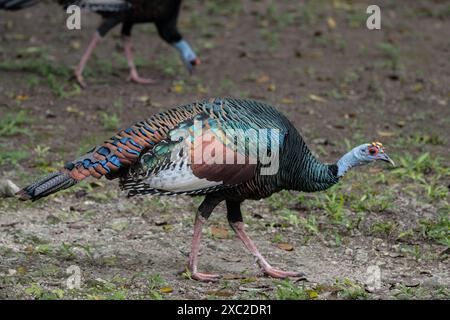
{"x": 238, "y": 227}
{"x": 193, "y": 256}
{"x": 79, "y": 70}
{"x": 134, "y": 76}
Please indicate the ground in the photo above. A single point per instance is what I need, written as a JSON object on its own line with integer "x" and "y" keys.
{"x": 338, "y": 82}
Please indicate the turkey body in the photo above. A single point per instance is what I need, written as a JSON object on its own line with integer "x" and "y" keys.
{"x": 130, "y": 155}
{"x": 155, "y": 157}
{"x": 239, "y": 182}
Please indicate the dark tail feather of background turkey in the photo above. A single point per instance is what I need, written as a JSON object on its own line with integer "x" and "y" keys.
{"x": 43, "y": 187}
{"x": 16, "y": 4}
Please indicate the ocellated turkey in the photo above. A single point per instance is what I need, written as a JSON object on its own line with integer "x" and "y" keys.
{"x": 157, "y": 156}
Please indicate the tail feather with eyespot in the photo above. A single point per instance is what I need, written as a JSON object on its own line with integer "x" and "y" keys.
{"x": 115, "y": 156}
{"x": 45, "y": 186}
{"x": 108, "y": 160}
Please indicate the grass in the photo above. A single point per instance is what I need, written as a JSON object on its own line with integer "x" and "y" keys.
{"x": 434, "y": 190}
{"x": 169, "y": 64}
{"x": 36, "y": 291}
{"x": 404, "y": 292}
{"x": 357, "y": 19}
{"x": 308, "y": 16}
{"x": 345, "y": 289}
{"x": 420, "y": 139}
{"x": 104, "y": 66}
{"x": 427, "y": 174}
{"x": 333, "y": 203}
{"x": 351, "y": 290}
{"x": 230, "y": 8}
{"x": 375, "y": 88}
{"x": 33, "y": 81}
{"x": 414, "y": 251}
{"x": 309, "y": 224}
{"x": 12, "y": 124}
{"x": 272, "y": 38}
{"x": 109, "y": 121}
{"x": 116, "y": 287}
{"x": 100, "y": 289}
{"x": 382, "y": 227}
{"x": 226, "y": 85}
{"x": 12, "y": 157}
{"x": 38, "y": 60}
{"x": 274, "y": 16}
{"x": 277, "y": 238}
{"x": 87, "y": 142}
{"x": 372, "y": 201}
{"x": 437, "y": 230}
{"x": 392, "y": 55}
{"x": 424, "y": 11}
{"x": 334, "y": 40}
{"x": 41, "y": 154}
{"x": 291, "y": 216}
{"x": 44, "y": 249}
{"x": 286, "y": 290}
{"x": 416, "y": 168}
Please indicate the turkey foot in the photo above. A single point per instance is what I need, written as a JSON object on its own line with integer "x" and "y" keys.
{"x": 134, "y": 77}
{"x": 205, "y": 277}
{"x": 238, "y": 227}
{"x": 80, "y": 79}
{"x": 188, "y": 272}
{"x": 275, "y": 273}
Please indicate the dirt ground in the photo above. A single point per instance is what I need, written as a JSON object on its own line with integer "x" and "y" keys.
{"x": 381, "y": 233}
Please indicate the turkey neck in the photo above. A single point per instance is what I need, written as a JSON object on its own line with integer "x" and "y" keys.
{"x": 303, "y": 172}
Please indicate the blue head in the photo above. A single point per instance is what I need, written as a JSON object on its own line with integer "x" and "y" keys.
{"x": 361, "y": 155}
{"x": 187, "y": 55}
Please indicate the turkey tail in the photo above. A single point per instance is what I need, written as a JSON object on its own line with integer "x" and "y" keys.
{"x": 93, "y": 5}
{"x": 108, "y": 160}
{"x": 16, "y": 4}
{"x": 98, "y": 5}
{"x": 47, "y": 185}
{"x": 113, "y": 158}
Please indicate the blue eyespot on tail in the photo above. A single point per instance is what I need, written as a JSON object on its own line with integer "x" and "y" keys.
{"x": 46, "y": 186}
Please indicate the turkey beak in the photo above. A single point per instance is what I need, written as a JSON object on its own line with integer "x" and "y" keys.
{"x": 386, "y": 158}
{"x": 191, "y": 64}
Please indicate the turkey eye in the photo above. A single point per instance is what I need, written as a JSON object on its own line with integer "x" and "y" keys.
{"x": 373, "y": 151}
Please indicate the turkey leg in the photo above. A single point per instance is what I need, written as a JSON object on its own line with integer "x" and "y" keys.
{"x": 234, "y": 216}
{"x": 193, "y": 256}
{"x": 134, "y": 76}
{"x": 204, "y": 211}
{"x": 86, "y": 56}
{"x": 238, "y": 227}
